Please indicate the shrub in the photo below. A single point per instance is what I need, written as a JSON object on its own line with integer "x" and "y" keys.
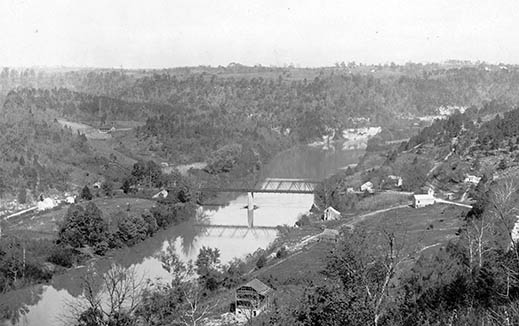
{"x": 83, "y": 227}
{"x": 282, "y": 253}
{"x": 224, "y": 159}
{"x": 151, "y": 222}
{"x": 261, "y": 262}
{"x": 303, "y": 220}
{"x": 62, "y": 256}
{"x": 86, "y": 194}
{"x": 131, "y": 230}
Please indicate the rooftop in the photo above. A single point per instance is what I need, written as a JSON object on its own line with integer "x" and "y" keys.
{"x": 259, "y": 286}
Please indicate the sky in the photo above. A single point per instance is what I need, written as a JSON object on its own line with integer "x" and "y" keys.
{"x": 172, "y": 33}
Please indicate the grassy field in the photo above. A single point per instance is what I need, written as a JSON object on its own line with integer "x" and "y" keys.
{"x": 46, "y": 224}
{"x": 417, "y": 232}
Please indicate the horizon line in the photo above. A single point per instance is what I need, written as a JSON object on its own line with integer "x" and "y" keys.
{"x": 259, "y": 65}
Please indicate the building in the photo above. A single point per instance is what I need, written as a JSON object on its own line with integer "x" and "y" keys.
{"x": 252, "y": 298}
{"x": 329, "y": 235}
{"x": 70, "y": 199}
{"x": 331, "y": 214}
{"x": 368, "y": 186}
{"x": 161, "y": 194}
{"x": 472, "y": 179}
{"x": 515, "y": 233}
{"x": 398, "y": 180}
{"x": 422, "y": 200}
{"x": 45, "y": 204}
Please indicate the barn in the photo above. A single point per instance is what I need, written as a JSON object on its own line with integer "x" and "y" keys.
{"x": 252, "y": 298}
{"x": 422, "y": 200}
{"x": 331, "y": 214}
{"x": 329, "y": 235}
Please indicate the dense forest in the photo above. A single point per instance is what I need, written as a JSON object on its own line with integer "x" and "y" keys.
{"x": 185, "y": 115}
{"x": 234, "y": 119}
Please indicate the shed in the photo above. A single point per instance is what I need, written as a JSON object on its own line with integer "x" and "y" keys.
{"x": 329, "y": 235}
{"x": 515, "y": 232}
{"x": 472, "y": 179}
{"x": 368, "y": 186}
{"x": 422, "y": 200}
{"x": 161, "y": 194}
{"x": 252, "y": 298}
{"x": 45, "y": 204}
{"x": 70, "y": 199}
{"x": 331, "y": 214}
{"x": 399, "y": 181}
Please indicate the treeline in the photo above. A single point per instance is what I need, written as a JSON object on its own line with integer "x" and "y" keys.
{"x": 69, "y": 104}
{"x": 467, "y": 131}
{"x": 86, "y": 231}
{"x": 370, "y": 277}
{"x": 374, "y": 277}
{"x": 36, "y": 156}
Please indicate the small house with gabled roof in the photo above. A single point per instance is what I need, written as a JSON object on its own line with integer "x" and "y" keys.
{"x": 252, "y": 298}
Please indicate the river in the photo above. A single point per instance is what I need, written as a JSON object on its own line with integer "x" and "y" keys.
{"x": 45, "y": 305}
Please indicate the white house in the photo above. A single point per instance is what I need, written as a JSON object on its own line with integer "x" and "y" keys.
{"x": 70, "y": 199}
{"x": 45, "y": 204}
{"x": 161, "y": 194}
{"x": 398, "y": 180}
{"x": 472, "y": 179}
{"x": 368, "y": 186}
{"x": 97, "y": 185}
{"x": 422, "y": 200}
{"x": 515, "y": 232}
{"x": 331, "y": 214}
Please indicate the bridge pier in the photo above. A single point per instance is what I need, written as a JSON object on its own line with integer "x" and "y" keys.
{"x": 250, "y": 209}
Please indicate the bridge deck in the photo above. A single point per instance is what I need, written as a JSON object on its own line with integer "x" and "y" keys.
{"x": 272, "y": 191}
{"x": 224, "y": 226}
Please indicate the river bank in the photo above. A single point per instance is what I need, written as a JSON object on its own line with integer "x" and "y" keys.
{"x": 187, "y": 238}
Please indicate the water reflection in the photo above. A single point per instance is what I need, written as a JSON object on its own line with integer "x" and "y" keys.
{"x": 42, "y": 305}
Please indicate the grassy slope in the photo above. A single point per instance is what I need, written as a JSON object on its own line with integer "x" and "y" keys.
{"x": 45, "y": 225}
{"x": 418, "y": 230}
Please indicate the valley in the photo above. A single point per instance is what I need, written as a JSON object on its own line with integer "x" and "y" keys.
{"x": 114, "y": 174}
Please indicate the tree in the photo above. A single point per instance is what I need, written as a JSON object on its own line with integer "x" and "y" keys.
{"x": 208, "y": 268}
{"x": 84, "y": 227}
{"x": 110, "y": 300}
{"x": 107, "y": 188}
{"x": 261, "y": 262}
{"x": 85, "y": 193}
{"x": 366, "y": 264}
{"x": 22, "y": 196}
{"x": 502, "y": 164}
{"x": 181, "y": 302}
{"x": 127, "y": 185}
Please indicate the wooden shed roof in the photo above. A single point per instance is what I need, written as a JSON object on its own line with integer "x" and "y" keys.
{"x": 258, "y": 286}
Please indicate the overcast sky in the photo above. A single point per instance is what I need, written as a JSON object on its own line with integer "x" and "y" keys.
{"x": 160, "y": 33}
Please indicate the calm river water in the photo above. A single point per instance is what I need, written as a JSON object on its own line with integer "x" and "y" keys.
{"x": 45, "y": 305}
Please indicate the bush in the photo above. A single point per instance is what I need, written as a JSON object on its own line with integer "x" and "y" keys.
{"x": 62, "y": 256}
{"x": 261, "y": 262}
{"x": 83, "y": 227}
{"x": 86, "y": 194}
{"x": 131, "y": 230}
{"x": 303, "y": 220}
{"x": 282, "y": 253}
{"x": 151, "y": 222}
{"x": 224, "y": 159}
{"x": 101, "y": 248}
